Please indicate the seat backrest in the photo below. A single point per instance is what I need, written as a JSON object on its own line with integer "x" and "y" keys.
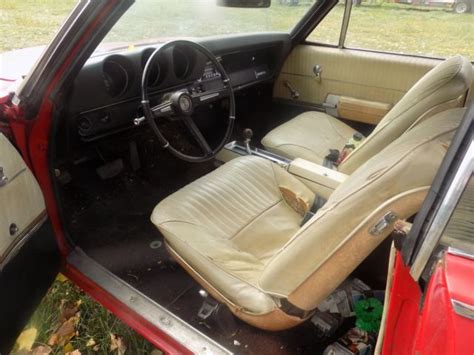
{"x": 443, "y": 87}
{"x": 337, "y": 239}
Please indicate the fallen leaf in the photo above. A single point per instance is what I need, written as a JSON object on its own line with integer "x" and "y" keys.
{"x": 117, "y": 343}
{"x": 90, "y": 342}
{"x": 61, "y": 278}
{"x": 68, "y": 348}
{"x": 96, "y": 348}
{"x": 26, "y": 339}
{"x": 42, "y": 350}
{"x": 67, "y": 311}
{"x": 156, "y": 352}
{"x": 21, "y": 352}
{"x": 53, "y": 339}
{"x": 65, "y": 332}
{"x": 74, "y": 352}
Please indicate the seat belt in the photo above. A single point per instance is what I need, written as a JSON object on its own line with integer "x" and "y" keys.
{"x": 289, "y": 308}
{"x": 317, "y": 204}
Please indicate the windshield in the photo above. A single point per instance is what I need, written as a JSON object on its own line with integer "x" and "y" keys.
{"x": 163, "y": 20}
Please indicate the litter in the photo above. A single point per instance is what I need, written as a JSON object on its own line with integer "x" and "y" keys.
{"x": 354, "y": 342}
{"x": 356, "y": 300}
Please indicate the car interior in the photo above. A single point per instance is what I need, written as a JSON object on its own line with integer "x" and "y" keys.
{"x": 244, "y": 179}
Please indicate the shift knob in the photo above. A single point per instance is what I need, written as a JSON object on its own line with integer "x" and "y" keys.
{"x": 248, "y": 134}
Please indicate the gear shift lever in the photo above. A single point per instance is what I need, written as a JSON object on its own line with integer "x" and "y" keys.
{"x": 248, "y": 134}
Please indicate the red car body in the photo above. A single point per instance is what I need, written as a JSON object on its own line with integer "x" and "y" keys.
{"x": 421, "y": 319}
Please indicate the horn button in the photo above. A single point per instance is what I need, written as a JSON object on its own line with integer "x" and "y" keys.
{"x": 182, "y": 103}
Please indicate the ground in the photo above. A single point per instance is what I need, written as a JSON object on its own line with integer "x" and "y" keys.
{"x": 68, "y": 321}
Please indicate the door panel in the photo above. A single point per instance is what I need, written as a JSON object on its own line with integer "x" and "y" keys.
{"x": 22, "y": 206}
{"x": 380, "y": 79}
{"x": 29, "y": 257}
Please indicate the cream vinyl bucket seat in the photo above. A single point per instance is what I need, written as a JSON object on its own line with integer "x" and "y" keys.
{"x": 237, "y": 231}
{"x": 312, "y": 134}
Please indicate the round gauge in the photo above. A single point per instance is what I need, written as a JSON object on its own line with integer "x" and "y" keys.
{"x": 154, "y": 76}
{"x": 115, "y": 76}
{"x": 181, "y": 64}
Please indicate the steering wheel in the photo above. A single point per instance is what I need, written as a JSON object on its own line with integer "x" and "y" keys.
{"x": 181, "y": 104}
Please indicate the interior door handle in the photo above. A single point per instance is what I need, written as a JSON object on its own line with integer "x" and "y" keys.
{"x": 317, "y": 70}
{"x": 3, "y": 178}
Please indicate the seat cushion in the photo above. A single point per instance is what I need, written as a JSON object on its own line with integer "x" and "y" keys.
{"x": 229, "y": 223}
{"x": 309, "y": 136}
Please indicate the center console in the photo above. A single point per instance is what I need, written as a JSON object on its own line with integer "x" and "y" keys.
{"x": 319, "y": 179}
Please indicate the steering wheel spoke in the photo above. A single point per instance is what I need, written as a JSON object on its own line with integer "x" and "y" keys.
{"x": 164, "y": 109}
{"x": 181, "y": 103}
{"x": 196, "y": 133}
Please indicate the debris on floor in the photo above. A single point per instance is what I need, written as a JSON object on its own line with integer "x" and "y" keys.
{"x": 326, "y": 323}
{"x": 354, "y": 342}
{"x": 355, "y": 303}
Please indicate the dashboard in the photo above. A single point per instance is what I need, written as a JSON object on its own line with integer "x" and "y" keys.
{"x": 106, "y": 94}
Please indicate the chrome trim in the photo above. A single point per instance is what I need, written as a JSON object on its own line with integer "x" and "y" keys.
{"x": 383, "y": 223}
{"x": 345, "y": 24}
{"x": 463, "y": 309}
{"x": 139, "y": 120}
{"x": 241, "y": 149}
{"x": 5, "y": 180}
{"x": 209, "y": 96}
{"x": 443, "y": 215}
{"x": 21, "y": 240}
{"x": 461, "y": 253}
{"x": 170, "y": 324}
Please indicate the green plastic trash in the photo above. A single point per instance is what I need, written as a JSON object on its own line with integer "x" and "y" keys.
{"x": 368, "y": 314}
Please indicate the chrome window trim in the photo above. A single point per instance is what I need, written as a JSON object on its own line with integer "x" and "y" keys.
{"x": 461, "y": 253}
{"x": 463, "y": 309}
{"x": 153, "y": 312}
{"x": 448, "y": 204}
{"x": 345, "y": 24}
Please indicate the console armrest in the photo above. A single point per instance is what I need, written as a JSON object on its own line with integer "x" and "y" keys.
{"x": 318, "y": 178}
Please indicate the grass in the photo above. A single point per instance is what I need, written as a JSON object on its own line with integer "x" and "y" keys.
{"x": 28, "y": 23}
{"x": 386, "y": 27}
{"x": 95, "y": 323}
